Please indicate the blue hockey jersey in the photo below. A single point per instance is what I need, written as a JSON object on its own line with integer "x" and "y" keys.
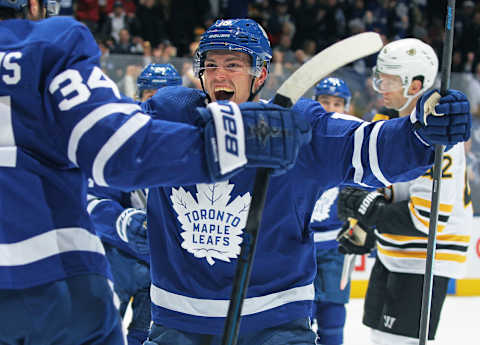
{"x": 195, "y": 231}
{"x": 105, "y": 206}
{"x": 63, "y": 120}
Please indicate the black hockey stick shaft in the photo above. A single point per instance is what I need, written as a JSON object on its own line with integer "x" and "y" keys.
{"x": 437, "y": 171}
{"x": 249, "y": 244}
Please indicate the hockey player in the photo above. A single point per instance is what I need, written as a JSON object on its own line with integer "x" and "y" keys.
{"x": 155, "y": 76}
{"x": 405, "y": 70}
{"x": 61, "y": 121}
{"x": 329, "y": 305}
{"x": 115, "y": 212}
{"x": 195, "y": 231}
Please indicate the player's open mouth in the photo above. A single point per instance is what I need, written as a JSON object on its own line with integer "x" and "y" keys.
{"x": 222, "y": 94}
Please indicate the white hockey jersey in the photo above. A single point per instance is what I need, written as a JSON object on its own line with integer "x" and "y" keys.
{"x": 407, "y": 253}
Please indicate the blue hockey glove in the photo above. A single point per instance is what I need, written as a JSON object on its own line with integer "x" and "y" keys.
{"x": 252, "y": 135}
{"x": 132, "y": 228}
{"x": 442, "y": 120}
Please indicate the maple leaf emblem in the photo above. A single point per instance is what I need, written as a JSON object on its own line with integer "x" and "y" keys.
{"x": 323, "y": 205}
{"x": 212, "y": 227}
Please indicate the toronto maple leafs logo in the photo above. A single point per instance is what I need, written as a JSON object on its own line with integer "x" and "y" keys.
{"x": 323, "y": 205}
{"x": 212, "y": 227}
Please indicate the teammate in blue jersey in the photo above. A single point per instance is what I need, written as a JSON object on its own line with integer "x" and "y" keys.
{"x": 329, "y": 306}
{"x": 195, "y": 230}
{"x": 63, "y": 121}
{"x": 115, "y": 212}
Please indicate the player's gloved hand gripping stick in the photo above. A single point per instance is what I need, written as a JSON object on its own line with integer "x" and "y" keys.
{"x": 305, "y": 77}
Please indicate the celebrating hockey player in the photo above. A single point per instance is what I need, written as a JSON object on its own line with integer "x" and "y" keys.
{"x": 195, "y": 230}
{"x": 155, "y": 76}
{"x": 63, "y": 121}
{"x": 329, "y": 305}
{"x": 115, "y": 213}
{"x": 405, "y": 70}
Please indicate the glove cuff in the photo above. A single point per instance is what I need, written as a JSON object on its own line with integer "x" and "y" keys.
{"x": 224, "y": 138}
{"x": 123, "y": 220}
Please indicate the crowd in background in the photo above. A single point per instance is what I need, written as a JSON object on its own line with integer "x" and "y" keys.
{"x": 133, "y": 33}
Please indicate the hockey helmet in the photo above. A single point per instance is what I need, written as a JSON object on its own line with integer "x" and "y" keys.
{"x": 241, "y": 35}
{"x": 155, "y": 76}
{"x": 334, "y": 87}
{"x": 408, "y": 59}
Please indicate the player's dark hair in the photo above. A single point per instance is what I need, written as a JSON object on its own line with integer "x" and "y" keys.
{"x": 421, "y": 78}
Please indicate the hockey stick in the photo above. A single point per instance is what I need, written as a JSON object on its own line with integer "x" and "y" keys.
{"x": 347, "y": 269}
{"x": 321, "y": 65}
{"x": 437, "y": 169}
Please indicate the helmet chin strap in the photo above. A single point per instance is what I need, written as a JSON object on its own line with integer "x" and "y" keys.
{"x": 407, "y": 103}
{"x": 252, "y": 93}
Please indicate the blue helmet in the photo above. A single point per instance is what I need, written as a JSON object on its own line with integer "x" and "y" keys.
{"x": 334, "y": 87}
{"x": 155, "y": 76}
{"x": 52, "y": 6}
{"x": 242, "y": 35}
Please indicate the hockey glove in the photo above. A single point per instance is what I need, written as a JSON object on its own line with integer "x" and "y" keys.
{"x": 442, "y": 120}
{"x": 355, "y": 238}
{"x": 366, "y": 206}
{"x": 132, "y": 228}
{"x": 251, "y": 135}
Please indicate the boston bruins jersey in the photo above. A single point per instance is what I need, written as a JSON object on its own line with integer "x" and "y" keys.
{"x": 402, "y": 233}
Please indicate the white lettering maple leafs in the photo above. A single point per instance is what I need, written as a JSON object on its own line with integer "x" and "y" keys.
{"x": 212, "y": 227}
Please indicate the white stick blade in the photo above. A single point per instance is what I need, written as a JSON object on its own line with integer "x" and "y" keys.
{"x": 327, "y": 61}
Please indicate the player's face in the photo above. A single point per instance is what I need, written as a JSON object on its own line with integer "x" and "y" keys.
{"x": 147, "y": 94}
{"x": 227, "y": 77}
{"x": 390, "y": 86}
{"x": 332, "y": 104}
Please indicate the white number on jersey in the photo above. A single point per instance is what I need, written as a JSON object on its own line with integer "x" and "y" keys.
{"x": 76, "y": 88}
{"x": 14, "y": 72}
{"x": 8, "y": 150}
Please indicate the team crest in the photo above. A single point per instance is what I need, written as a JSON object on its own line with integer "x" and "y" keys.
{"x": 411, "y": 52}
{"x": 323, "y": 205}
{"x": 212, "y": 226}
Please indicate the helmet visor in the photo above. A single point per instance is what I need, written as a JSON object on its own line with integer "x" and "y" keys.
{"x": 382, "y": 82}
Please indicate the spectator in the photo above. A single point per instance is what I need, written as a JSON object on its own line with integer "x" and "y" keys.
{"x": 277, "y": 19}
{"x": 151, "y": 21}
{"x": 116, "y": 21}
{"x": 125, "y": 44}
{"x": 88, "y": 12}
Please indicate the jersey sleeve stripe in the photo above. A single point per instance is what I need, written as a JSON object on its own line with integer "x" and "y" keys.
{"x": 422, "y": 255}
{"x": 373, "y": 154}
{"x": 127, "y": 130}
{"x": 47, "y": 244}
{"x": 446, "y": 238}
{"x": 357, "y": 153}
{"x": 93, "y": 203}
{"x": 91, "y": 119}
{"x": 421, "y": 220}
{"x": 446, "y": 208}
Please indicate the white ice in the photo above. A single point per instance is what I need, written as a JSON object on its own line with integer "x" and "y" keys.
{"x": 459, "y": 323}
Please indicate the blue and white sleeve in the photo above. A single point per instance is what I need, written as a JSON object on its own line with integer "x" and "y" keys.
{"x": 105, "y": 133}
{"x": 352, "y": 151}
